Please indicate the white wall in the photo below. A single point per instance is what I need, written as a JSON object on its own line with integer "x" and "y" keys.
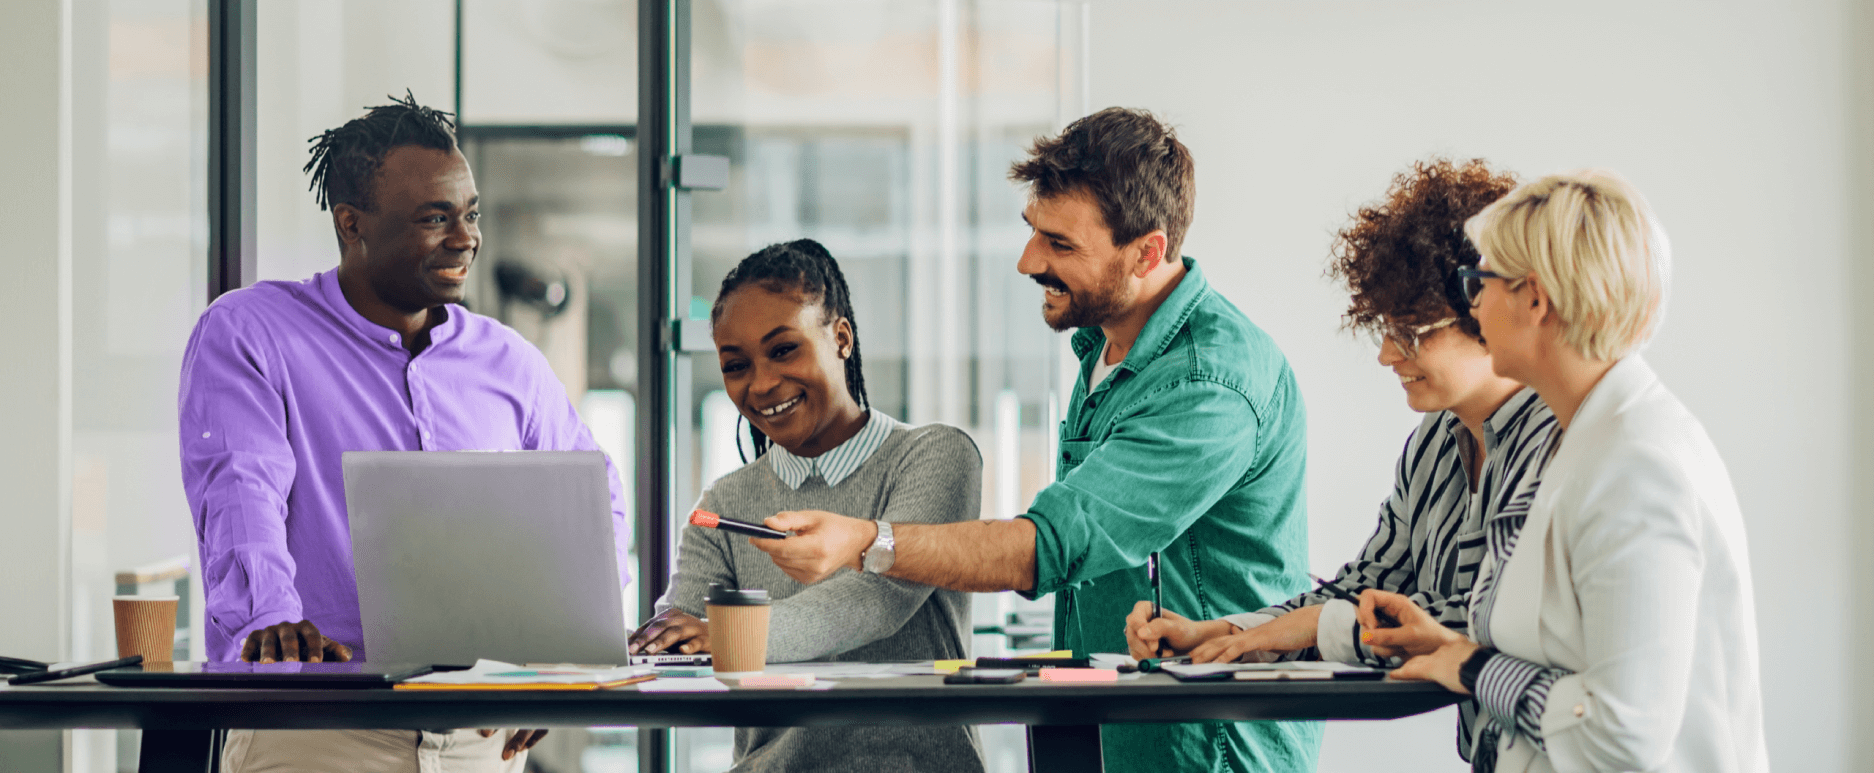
{"x": 1730, "y": 116}
{"x": 36, "y": 317}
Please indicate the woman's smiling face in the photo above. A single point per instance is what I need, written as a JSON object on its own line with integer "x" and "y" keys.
{"x": 783, "y": 364}
{"x": 1446, "y": 370}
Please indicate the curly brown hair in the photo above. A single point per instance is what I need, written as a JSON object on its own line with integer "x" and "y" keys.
{"x": 1399, "y": 258}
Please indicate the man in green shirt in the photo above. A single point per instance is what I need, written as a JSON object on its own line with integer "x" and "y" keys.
{"x": 1186, "y": 436}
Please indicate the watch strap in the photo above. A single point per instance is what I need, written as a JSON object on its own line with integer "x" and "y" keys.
{"x": 1474, "y": 667}
{"x": 878, "y": 558}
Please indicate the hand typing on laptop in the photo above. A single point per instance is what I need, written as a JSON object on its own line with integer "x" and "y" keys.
{"x": 674, "y": 630}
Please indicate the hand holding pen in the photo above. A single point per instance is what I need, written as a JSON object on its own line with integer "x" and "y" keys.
{"x": 1416, "y": 632}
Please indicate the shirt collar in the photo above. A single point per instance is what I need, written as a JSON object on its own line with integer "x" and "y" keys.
{"x": 1165, "y": 322}
{"x": 837, "y": 464}
{"x": 326, "y": 283}
{"x": 1502, "y": 422}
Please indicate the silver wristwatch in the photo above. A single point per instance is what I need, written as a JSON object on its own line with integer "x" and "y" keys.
{"x": 878, "y": 558}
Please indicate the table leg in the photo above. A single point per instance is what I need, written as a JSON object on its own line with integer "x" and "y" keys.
{"x": 179, "y": 751}
{"x": 1064, "y": 749}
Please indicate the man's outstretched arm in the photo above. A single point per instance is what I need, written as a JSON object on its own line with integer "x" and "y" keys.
{"x": 974, "y": 556}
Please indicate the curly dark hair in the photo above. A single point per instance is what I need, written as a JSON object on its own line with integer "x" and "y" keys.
{"x": 1399, "y": 258}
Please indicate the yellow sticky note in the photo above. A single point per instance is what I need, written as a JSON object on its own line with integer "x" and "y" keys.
{"x": 951, "y": 666}
{"x": 1061, "y": 654}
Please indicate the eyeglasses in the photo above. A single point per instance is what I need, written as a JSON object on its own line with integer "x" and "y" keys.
{"x": 1406, "y": 337}
{"x": 1473, "y": 278}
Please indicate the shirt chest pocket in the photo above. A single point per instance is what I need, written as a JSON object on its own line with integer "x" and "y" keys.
{"x": 1073, "y": 452}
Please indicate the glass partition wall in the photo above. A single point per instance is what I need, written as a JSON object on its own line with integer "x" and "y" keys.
{"x": 883, "y": 130}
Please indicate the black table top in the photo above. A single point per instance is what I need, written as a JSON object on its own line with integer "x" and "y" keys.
{"x": 894, "y": 701}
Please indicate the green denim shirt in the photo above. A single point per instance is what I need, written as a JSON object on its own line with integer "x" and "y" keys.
{"x": 1195, "y": 446}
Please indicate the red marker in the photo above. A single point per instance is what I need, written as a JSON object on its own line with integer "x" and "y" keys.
{"x": 709, "y": 520}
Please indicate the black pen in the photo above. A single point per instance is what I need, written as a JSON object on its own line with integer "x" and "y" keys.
{"x": 1385, "y": 620}
{"x": 1158, "y": 593}
{"x": 709, "y": 520}
{"x": 66, "y": 673}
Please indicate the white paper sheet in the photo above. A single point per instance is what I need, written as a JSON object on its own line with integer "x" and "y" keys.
{"x": 683, "y": 684}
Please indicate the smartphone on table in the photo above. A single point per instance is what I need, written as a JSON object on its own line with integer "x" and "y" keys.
{"x": 972, "y": 675}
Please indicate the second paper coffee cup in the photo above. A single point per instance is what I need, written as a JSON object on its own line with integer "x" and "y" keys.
{"x": 738, "y": 629}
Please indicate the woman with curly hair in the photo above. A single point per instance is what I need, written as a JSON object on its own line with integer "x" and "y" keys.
{"x": 1400, "y": 260}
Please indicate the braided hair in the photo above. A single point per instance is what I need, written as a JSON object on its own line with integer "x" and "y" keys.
{"x": 345, "y": 160}
{"x": 805, "y": 267}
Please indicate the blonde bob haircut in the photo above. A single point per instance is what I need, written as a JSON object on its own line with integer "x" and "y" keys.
{"x": 1591, "y": 241}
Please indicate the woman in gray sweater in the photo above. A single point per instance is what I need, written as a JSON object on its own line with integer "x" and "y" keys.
{"x": 789, "y": 351}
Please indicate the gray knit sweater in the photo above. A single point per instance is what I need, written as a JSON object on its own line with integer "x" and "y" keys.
{"x": 928, "y": 474}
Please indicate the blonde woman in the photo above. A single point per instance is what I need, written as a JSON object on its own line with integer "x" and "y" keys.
{"x": 1612, "y": 626}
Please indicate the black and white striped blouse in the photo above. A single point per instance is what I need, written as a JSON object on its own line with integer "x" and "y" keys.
{"x": 1514, "y": 692}
{"x": 1430, "y": 544}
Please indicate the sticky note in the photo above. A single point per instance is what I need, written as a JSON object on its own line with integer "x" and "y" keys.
{"x": 950, "y": 666}
{"x": 778, "y": 680}
{"x": 1079, "y": 675}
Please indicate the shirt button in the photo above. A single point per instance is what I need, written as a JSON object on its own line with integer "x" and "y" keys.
{"x": 206, "y": 434}
{"x": 392, "y": 338}
{"x": 1580, "y": 710}
{"x": 428, "y": 436}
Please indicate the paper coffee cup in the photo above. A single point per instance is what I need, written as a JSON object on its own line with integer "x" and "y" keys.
{"x": 738, "y": 629}
{"x": 146, "y": 625}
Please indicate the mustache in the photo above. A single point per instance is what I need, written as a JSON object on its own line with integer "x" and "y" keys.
{"x": 1049, "y": 280}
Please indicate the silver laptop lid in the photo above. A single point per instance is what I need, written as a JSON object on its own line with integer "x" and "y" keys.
{"x": 502, "y": 555}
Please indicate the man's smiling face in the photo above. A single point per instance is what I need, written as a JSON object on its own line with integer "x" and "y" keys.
{"x": 1071, "y": 254}
{"x": 422, "y": 233}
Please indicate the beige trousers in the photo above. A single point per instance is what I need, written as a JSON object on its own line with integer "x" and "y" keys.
{"x": 367, "y": 751}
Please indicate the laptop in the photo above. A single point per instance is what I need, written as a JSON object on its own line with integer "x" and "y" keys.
{"x": 262, "y": 676}
{"x": 505, "y": 555}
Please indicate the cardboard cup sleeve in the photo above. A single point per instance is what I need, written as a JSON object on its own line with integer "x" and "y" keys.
{"x": 738, "y": 637}
{"x": 146, "y": 625}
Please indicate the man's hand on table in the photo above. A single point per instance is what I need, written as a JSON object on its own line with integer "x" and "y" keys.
{"x": 822, "y": 543}
{"x": 288, "y": 642}
{"x": 674, "y": 628}
{"x": 520, "y": 741}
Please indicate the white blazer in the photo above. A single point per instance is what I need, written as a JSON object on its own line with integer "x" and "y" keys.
{"x": 1631, "y": 571}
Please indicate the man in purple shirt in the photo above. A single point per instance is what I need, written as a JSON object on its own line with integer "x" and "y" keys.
{"x": 282, "y": 378}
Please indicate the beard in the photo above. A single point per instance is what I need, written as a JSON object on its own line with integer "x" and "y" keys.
{"x": 1093, "y": 306}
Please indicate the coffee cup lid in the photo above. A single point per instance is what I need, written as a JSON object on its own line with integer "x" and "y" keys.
{"x": 732, "y": 597}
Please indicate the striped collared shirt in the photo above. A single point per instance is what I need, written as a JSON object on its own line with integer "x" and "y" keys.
{"x": 1430, "y": 542}
{"x": 834, "y": 465}
{"x": 1514, "y": 692}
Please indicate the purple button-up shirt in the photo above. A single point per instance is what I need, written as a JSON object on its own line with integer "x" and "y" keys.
{"x": 279, "y": 380}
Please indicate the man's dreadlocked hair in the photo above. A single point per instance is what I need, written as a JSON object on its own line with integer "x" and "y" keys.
{"x": 805, "y": 267}
{"x": 345, "y": 160}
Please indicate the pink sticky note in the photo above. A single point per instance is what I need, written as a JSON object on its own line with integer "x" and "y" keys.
{"x": 777, "y": 680}
{"x": 1079, "y": 675}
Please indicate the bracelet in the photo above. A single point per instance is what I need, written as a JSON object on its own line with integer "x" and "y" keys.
{"x": 1474, "y": 667}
